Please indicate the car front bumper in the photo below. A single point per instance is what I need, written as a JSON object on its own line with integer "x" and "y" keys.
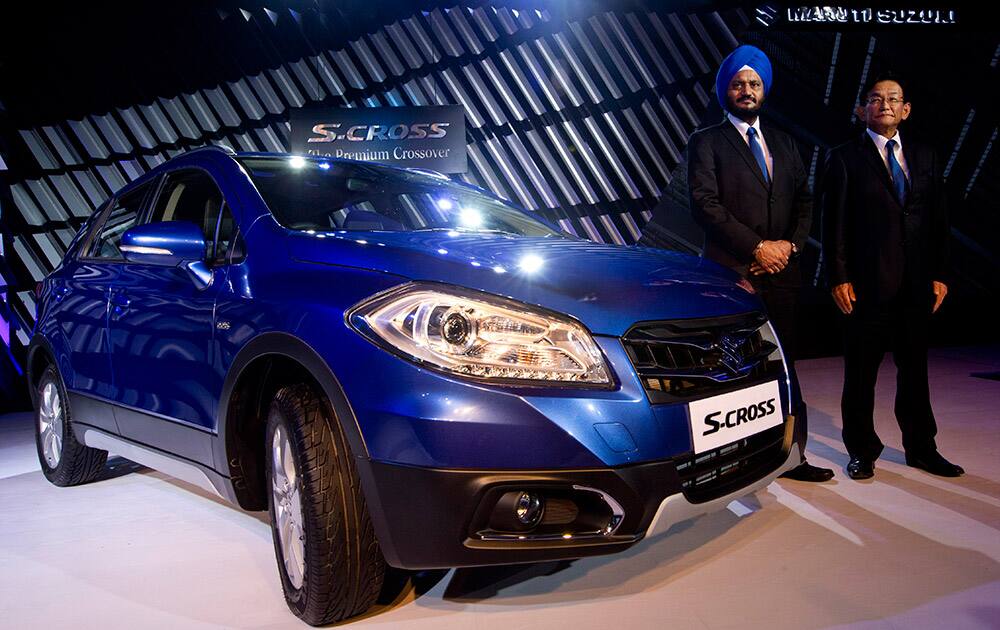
{"x": 429, "y": 518}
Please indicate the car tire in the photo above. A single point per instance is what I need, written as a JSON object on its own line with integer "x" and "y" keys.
{"x": 329, "y": 560}
{"x": 64, "y": 460}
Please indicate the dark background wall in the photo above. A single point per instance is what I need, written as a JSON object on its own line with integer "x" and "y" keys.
{"x": 579, "y": 110}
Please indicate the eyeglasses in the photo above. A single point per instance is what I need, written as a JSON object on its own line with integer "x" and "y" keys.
{"x": 878, "y": 100}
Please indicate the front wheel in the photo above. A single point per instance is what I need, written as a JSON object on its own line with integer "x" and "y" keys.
{"x": 64, "y": 461}
{"x": 329, "y": 560}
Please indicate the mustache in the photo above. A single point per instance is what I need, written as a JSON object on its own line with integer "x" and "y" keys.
{"x": 746, "y": 98}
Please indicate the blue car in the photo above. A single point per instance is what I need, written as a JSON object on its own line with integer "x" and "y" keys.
{"x": 404, "y": 370}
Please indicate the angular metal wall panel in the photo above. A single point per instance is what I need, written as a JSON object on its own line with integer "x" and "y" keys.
{"x": 553, "y": 169}
{"x": 134, "y": 123}
{"x": 328, "y": 76}
{"x": 178, "y": 114}
{"x": 524, "y": 160}
{"x": 91, "y": 187}
{"x": 223, "y": 108}
{"x": 51, "y": 250}
{"x": 71, "y": 195}
{"x": 264, "y": 92}
{"x": 652, "y": 53}
{"x": 285, "y": 88}
{"x": 398, "y": 36}
{"x": 386, "y": 54}
{"x": 347, "y": 69}
{"x": 61, "y": 143}
{"x": 465, "y": 30}
{"x": 89, "y": 138}
{"x": 443, "y": 34}
{"x": 482, "y": 92}
{"x": 30, "y": 259}
{"x": 39, "y": 149}
{"x": 47, "y": 200}
{"x": 202, "y": 112}
{"x": 618, "y": 62}
{"x": 486, "y": 27}
{"x": 158, "y": 122}
{"x": 610, "y": 88}
{"x": 422, "y": 40}
{"x": 368, "y": 62}
{"x": 308, "y": 80}
{"x": 251, "y": 107}
{"x": 30, "y": 211}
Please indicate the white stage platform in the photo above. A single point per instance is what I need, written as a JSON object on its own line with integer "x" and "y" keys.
{"x": 904, "y": 550}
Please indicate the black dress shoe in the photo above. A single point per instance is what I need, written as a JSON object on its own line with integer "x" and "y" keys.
{"x": 934, "y": 463}
{"x": 807, "y": 472}
{"x": 860, "y": 468}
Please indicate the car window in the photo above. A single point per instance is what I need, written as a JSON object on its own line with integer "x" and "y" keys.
{"x": 122, "y": 215}
{"x": 192, "y": 196}
{"x": 319, "y": 195}
{"x": 226, "y": 233}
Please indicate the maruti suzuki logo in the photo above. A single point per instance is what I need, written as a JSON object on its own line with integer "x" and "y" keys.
{"x": 732, "y": 358}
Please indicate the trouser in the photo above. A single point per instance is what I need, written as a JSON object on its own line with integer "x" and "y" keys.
{"x": 902, "y": 328}
{"x": 782, "y": 304}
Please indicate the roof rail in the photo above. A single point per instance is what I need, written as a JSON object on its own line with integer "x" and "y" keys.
{"x": 213, "y": 147}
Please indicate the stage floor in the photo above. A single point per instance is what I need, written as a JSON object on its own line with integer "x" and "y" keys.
{"x": 904, "y": 550}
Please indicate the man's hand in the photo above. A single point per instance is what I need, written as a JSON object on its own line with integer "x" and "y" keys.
{"x": 771, "y": 257}
{"x": 940, "y": 290}
{"x": 843, "y": 295}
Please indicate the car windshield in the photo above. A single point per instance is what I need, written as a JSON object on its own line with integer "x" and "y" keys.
{"x": 308, "y": 194}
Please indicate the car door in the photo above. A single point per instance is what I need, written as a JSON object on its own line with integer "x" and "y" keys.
{"x": 162, "y": 329}
{"x": 80, "y": 294}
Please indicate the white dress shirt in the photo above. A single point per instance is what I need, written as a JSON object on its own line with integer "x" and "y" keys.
{"x": 880, "y": 142}
{"x": 742, "y": 127}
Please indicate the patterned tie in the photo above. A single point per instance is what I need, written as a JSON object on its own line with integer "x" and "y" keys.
{"x": 758, "y": 153}
{"x": 898, "y": 177}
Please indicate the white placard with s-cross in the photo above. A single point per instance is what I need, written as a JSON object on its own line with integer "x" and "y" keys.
{"x": 726, "y": 418}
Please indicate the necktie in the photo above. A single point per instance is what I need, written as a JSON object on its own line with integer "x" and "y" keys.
{"x": 898, "y": 177}
{"x": 758, "y": 153}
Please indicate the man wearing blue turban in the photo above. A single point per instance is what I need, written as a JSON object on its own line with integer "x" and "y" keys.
{"x": 750, "y": 193}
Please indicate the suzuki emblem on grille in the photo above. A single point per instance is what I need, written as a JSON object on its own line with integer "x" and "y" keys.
{"x": 731, "y": 357}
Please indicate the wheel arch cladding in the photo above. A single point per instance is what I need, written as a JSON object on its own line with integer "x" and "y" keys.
{"x": 265, "y": 365}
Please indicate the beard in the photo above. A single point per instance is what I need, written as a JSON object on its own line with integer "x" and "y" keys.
{"x": 746, "y": 106}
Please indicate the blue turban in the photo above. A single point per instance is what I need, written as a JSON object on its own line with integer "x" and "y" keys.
{"x": 743, "y": 56}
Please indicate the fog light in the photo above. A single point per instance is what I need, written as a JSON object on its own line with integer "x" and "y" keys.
{"x": 528, "y": 508}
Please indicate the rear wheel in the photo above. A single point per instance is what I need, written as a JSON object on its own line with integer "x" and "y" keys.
{"x": 65, "y": 462}
{"x": 329, "y": 560}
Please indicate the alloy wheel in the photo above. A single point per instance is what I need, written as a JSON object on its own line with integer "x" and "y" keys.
{"x": 286, "y": 498}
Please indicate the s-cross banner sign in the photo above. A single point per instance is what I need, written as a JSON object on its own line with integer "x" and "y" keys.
{"x": 418, "y": 137}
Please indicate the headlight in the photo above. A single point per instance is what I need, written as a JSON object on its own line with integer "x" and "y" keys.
{"x": 481, "y": 335}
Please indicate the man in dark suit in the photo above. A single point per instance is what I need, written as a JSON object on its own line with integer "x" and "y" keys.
{"x": 885, "y": 237}
{"x": 749, "y": 191}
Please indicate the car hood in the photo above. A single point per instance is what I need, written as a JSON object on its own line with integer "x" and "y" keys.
{"x": 608, "y": 288}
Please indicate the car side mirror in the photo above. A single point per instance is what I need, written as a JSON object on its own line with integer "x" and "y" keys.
{"x": 169, "y": 244}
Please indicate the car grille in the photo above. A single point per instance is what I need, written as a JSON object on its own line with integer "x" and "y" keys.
{"x": 683, "y": 359}
{"x": 715, "y": 473}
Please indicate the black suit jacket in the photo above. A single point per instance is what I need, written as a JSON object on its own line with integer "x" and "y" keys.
{"x": 737, "y": 209}
{"x": 881, "y": 247}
